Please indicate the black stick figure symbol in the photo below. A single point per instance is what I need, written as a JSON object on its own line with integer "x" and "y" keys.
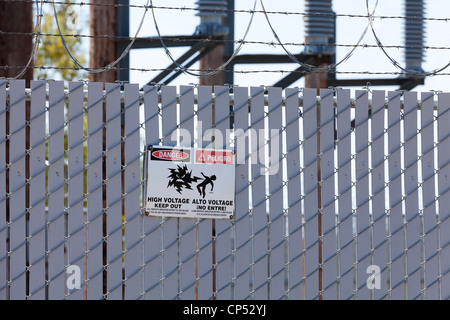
{"x": 202, "y": 186}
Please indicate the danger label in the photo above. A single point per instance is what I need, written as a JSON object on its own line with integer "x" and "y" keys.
{"x": 213, "y": 157}
{"x": 170, "y": 155}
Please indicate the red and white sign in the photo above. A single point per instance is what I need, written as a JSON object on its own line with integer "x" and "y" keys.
{"x": 187, "y": 182}
{"x": 213, "y": 157}
{"x": 170, "y": 155}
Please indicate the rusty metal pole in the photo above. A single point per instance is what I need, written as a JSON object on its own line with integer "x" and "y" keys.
{"x": 213, "y": 16}
{"x": 320, "y": 31}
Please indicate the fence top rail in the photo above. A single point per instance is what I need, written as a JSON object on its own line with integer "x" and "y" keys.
{"x": 142, "y": 93}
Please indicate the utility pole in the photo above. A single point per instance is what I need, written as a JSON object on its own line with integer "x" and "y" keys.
{"x": 320, "y": 32}
{"x": 212, "y": 22}
{"x": 103, "y": 22}
{"x": 15, "y": 50}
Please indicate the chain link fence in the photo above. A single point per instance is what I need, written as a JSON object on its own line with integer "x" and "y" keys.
{"x": 338, "y": 196}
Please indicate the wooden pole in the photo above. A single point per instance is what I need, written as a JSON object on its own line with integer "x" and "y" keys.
{"x": 15, "y": 50}
{"x": 103, "y": 22}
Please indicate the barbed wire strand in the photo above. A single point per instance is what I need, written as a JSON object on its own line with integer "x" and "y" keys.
{"x": 184, "y": 8}
{"x": 280, "y": 71}
{"x": 209, "y": 73}
{"x": 186, "y": 39}
{"x": 307, "y": 66}
{"x": 395, "y": 62}
{"x": 110, "y": 65}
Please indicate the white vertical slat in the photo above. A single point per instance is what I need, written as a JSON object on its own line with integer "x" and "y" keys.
{"x": 443, "y": 191}
{"x": 187, "y": 226}
{"x": 329, "y": 247}
{"x": 277, "y": 217}
{"x": 258, "y": 188}
{"x": 76, "y": 236}
{"x": 431, "y": 236}
{"x": 132, "y": 213}
{"x": 17, "y": 190}
{"x": 293, "y": 175}
{"x": 205, "y": 282}
{"x": 113, "y": 192}
{"x": 242, "y": 247}
{"x": 37, "y": 191}
{"x": 223, "y": 229}
{"x": 395, "y": 223}
{"x": 362, "y": 192}
{"x": 152, "y": 265}
{"x": 94, "y": 176}
{"x": 3, "y": 225}
{"x": 378, "y": 210}
{"x": 345, "y": 214}
{"x": 170, "y": 227}
{"x": 311, "y": 236}
{"x": 56, "y": 213}
{"x": 411, "y": 193}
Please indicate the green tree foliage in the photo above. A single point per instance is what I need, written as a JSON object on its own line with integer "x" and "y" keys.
{"x": 51, "y": 50}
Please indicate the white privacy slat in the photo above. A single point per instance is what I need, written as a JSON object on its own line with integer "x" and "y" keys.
{"x": 411, "y": 193}
{"x": 221, "y": 117}
{"x": 378, "y": 211}
{"x": 258, "y": 188}
{"x": 241, "y": 245}
{"x": 170, "y": 227}
{"x": 443, "y": 190}
{"x": 431, "y": 236}
{"x": 362, "y": 191}
{"x": 37, "y": 192}
{"x": 187, "y": 226}
{"x": 94, "y": 176}
{"x": 56, "y": 212}
{"x": 345, "y": 214}
{"x": 328, "y": 194}
{"x": 395, "y": 219}
{"x": 76, "y": 232}
{"x": 310, "y": 195}
{"x": 113, "y": 192}
{"x": 295, "y": 271}
{"x": 17, "y": 240}
{"x": 204, "y": 234}
{"x": 277, "y": 242}
{"x": 132, "y": 214}
{"x": 223, "y": 229}
{"x": 3, "y": 225}
{"x": 152, "y": 271}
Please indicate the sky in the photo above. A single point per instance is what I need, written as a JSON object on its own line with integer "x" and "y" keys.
{"x": 290, "y": 28}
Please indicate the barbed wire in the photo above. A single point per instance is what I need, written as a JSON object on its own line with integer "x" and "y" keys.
{"x": 247, "y": 11}
{"x": 280, "y": 71}
{"x": 395, "y": 62}
{"x": 307, "y": 68}
{"x": 223, "y": 41}
{"x": 210, "y": 73}
{"x": 110, "y": 65}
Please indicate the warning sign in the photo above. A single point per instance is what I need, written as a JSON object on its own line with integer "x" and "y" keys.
{"x": 190, "y": 183}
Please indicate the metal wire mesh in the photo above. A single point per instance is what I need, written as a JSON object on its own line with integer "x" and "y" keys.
{"x": 327, "y": 187}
